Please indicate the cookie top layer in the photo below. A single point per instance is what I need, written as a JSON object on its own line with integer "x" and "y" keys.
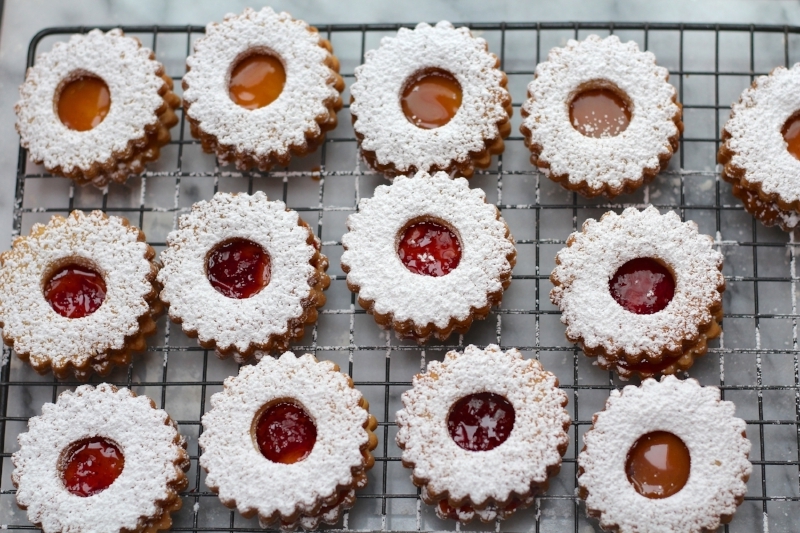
{"x": 153, "y": 450}
{"x": 592, "y": 256}
{"x": 609, "y": 164}
{"x": 133, "y": 80}
{"x": 476, "y": 478}
{"x": 715, "y": 440}
{"x": 378, "y": 114}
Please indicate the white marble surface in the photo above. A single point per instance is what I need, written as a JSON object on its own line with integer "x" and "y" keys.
{"x": 370, "y": 350}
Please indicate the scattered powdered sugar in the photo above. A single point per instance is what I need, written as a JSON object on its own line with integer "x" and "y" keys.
{"x": 286, "y": 122}
{"x": 149, "y": 442}
{"x": 592, "y": 256}
{"x": 372, "y": 263}
{"x": 706, "y": 425}
{"x": 238, "y": 471}
{"x": 107, "y": 243}
{"x": 609, "y": 162}
{"x": 232, "y": 322}
{"x": 133, "y": 82}
{"x": 536, "y": 443}
{"x": 380, "y": 82}
{"x": 756, "y": 137}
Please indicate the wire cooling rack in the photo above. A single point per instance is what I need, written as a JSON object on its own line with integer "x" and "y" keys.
{"x": 755, "y": 362}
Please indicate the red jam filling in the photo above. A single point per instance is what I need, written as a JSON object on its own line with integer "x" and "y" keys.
{"x": 75, "y": 291}
{"x": 285, "y": 433}
{"x": 83, "y": 103}
{"x": 481, "y": 422}
{"x": 257, "y": 81}
{"x": 92, "y": 466}
{"x": 791, "y": 134}
{"x": 429, "y": 249}
{"x": 642, "y": 286}
{"x": 432, "y": 99}
{"x": 646, "y": 367}
{"x": 238, "y": 268}
{"x": 658, "y": 465}
{"x": 599, "y": 113}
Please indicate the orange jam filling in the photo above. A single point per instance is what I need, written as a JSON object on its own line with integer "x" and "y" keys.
{"x": 791, "y": 134}
{"x": 432, "y": 99}
{"x": 257, "y": 81}
{"x": 238, "y": 268}
{"x": 92, "y": 466}
{"x": 481, "y": 422}
{"x": 647, "y": 367}
{"x": 83, "y": 103}
{"x": 285, "y": 433}
{"x": 642, "y": 286}
{"x": 658, "y": 465}
{"x": 74, "y": 291}
{"x": 429, "y": 249}
{"x": 599, "y": 113}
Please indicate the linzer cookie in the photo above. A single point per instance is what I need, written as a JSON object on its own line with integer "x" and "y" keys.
{"x": 601, "y": 117}
{"x": 288, "y": 440}
{"x": 640, "y": 291}
{"x": 482, "y": 432}
{"x": 243, "y": 273}
{"x": 430, "y": 99}
{"x": 100, "y": 459}
{"x": 96, "y": 109}
{"x": 761, "y": 148}
{"x": 261, "y": 87}
{"x": 427, "y": 255}
{"x": 79, "y": 294}
{"x": 665, "y": 456}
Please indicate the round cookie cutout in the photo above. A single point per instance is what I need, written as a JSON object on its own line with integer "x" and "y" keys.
{"x": 292, "y": 125}
{"x": 421, "y": 306}
{"x": 304, "y": 493}
{"x": 718, "y": 450}
{"x": 612, "y": 164}
{"x": 756, "y": 156}
{"x": 488, "y": 483}
{"x": 271, "y": 318}
{"x": 391, "y": 142}
{"x": 155, "y": 460}
{"x": 140, "y": 114}
{"x": 631, "y": 343}
{"x": 95, "y": 343}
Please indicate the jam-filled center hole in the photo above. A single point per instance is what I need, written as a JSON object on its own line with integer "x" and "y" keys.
{"x": 643, "y": 286}
{"x": 431, "y": 99}
{"x": 791, "y": 134}
{"x": 599, "y": 112}
{"x": 658, "y": 465}
{"x": 83, "y": 103}
{"x": 91, "y": 466}
{"x": 238, "y": 268}
{"x": 481, "y": 421}
{"x": 75, "y": 290}
{"x": 429, "y": 248}
{"x": 285, "y": 433}
{"x": 257, "y": 80}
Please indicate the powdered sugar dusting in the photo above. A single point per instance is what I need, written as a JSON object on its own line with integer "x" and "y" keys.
{"x": 756, "y": 138}
{"x": 380, "y": 81}
{"x": 231, "y": 322}
{"x": 133, "y": 82}
{"x": 108, "y": 244}
{"x": 609, "y": 163}
{"x": 238, "y": 471}
{"x": 706, "y": 425}
{"x": 584, "y": 268}
{"x": 149, "y": 441}
{"x": 372, "y": 263}
{"x": 536, "y": 443}
{"x": 286, "y": 122}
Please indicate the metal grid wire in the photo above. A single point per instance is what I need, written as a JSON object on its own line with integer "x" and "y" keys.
{"x": 755, "y": 363}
